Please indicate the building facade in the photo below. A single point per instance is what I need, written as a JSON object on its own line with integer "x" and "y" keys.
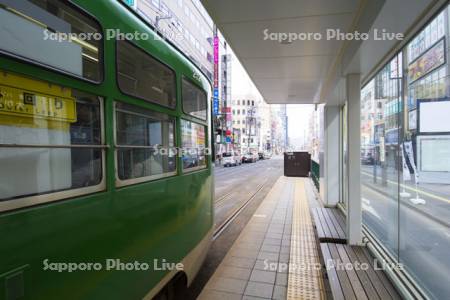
{"x": 245, "y": 124}
{"x": 279, "y": 128}
{"x": 189, "y": 27}
{"x": 186, "y": 24}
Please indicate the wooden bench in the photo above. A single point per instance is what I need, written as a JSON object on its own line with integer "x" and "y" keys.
{"x": 362, "y": 282}
{"x": 330, "y": 225}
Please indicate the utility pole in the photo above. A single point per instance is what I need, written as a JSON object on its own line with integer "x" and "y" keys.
{"x": 249, "y": 123}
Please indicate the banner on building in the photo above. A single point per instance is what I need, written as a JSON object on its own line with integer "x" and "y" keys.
{"x": 216, "y": 76}
{"x": 410, "y": 155}
{"x": 406, "y": 173}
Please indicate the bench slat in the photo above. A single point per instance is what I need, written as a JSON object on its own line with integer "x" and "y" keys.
{"x": 318, "y": 224}
{"x": 376, "y": 282}
{"x": 333, "y": 278}
{"x": 340, "y": 231}
{"x": 329, "y": 229}
{"x": 330, "y": 224}
{"x": 352, "y": 276}
{"x": 363, "y": 275}
{"x": 340, "y": 217}
{"x": 342, "y": 274}
{"x": 326, "y": 230}
{"x": 384, "y": 279}
{"x": 348, "y": 283}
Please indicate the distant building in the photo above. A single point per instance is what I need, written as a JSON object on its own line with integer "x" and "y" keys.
{"x": 279, "y": 128}
{"x": 251, "y": 123}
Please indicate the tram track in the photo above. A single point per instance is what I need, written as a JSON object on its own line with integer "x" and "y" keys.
{"x": 234, "y": 213}
{"x": 223, "y": 197}
{"x": 243, "y": 166}
{"x": 228, "y": 175}
{"x": 232, "y": 170}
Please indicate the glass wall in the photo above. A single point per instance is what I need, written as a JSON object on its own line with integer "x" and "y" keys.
{"x": 405, "y": 157}
{"x": 380, "y": 106}
{"x": 344, "y": 156}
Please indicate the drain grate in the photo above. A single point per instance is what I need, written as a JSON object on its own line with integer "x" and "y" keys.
{"x": 305, "y": 280}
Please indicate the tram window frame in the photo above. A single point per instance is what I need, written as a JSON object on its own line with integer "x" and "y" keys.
{"x": 101, "y": 46}
{"x": 136, "y": 180}
{"x": 187, "y": 80}
{"x": 20, "y": 202}
{"x": 196, "y": 168}
{"x": 173, "y": 105}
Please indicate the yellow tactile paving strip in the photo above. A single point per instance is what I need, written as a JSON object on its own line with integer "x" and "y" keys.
{"x": 305, "y": 280}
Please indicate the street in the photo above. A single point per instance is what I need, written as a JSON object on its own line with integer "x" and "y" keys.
{"x": 435, "y": 195}
{"x": 424, "y": 241}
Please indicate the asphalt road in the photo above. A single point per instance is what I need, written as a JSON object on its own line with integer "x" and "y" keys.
{"x": 436, "y": 196}
{"x": 417, "y": 240}
{"x": 234, "y": 186}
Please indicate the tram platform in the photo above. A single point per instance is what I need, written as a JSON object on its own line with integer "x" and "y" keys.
{"x": 279, "y": 255}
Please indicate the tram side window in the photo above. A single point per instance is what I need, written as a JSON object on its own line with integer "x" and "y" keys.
{"x": 56, "y": 133}
{"x": 193, "y": 144}
{"x": 142, "y": 76}
{"x": 145, "y": 142}
{"x": 194, "y": 100}
{"x": 52, "y": 33}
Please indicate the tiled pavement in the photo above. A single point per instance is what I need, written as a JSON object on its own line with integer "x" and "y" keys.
{"x": 256, "y": 265}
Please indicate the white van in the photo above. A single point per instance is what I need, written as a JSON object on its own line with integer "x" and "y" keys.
{"x": 230, "y": 159}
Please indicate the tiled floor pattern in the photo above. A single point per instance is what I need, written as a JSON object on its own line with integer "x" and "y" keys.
{"x": 256, "y": 267}
{"x": 305, "y": 280}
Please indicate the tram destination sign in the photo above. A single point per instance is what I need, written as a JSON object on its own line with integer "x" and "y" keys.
{"x": 17, "y": 102}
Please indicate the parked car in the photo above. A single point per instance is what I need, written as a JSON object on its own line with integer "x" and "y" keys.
{"x": 267, "y": 155}
{"x": 250, "y": 157}
{"x": 367, "y": 158}
{"x": 230, "y": 159}
{"x": 367, "y": 155}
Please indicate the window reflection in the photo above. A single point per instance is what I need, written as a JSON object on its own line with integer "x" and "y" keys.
{"x": 53, "y": 128}
{"x": 193, "y": 143}
{"x": 405, "y": 158}
{"x": 142, "y": 76}
{"x": 39, "y": 30}
{"x": 145, "y": 142}
{"x": 194, "y": 100}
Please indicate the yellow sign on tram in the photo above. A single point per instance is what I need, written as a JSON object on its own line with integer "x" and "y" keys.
{"x": 23, "y": 97}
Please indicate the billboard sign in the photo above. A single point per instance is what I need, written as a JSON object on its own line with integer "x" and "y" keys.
{"x": 216, "y": 76}
{"x": 426, "y": 63}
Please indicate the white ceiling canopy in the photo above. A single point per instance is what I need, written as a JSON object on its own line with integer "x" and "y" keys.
{"x": 296, "y": 71}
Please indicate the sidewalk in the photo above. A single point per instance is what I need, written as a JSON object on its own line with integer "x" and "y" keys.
{"x": 257, "y": 265}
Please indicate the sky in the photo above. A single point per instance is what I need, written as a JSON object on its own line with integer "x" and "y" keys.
{"x": 241, "y": 84}
{"x": 298, "y": 118}
{"x": 298, "y": 114}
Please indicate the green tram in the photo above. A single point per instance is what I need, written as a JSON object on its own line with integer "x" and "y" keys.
{"x": 106, "y": 187}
